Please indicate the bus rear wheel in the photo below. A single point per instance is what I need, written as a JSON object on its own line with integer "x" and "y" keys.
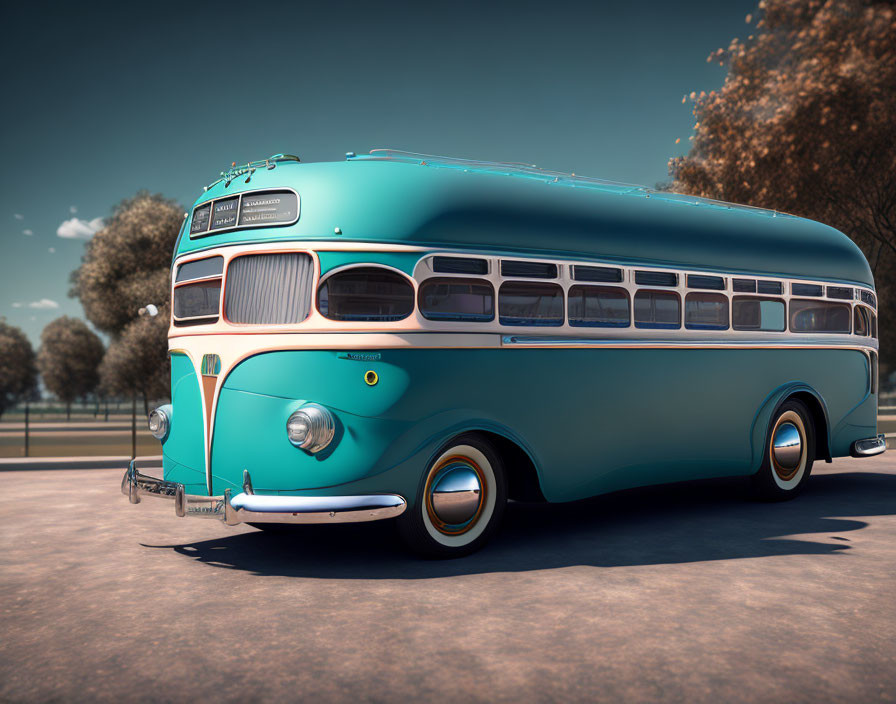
{"x": 460, "y": 501}
{"x": 789, "y": 453}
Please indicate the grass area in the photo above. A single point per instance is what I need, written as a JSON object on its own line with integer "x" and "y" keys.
{"x": 886, "y": 426}
{"x": 83, "y": 444}
{"x": 54, "y": 417}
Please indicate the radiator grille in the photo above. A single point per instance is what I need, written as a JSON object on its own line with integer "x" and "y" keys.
{"x": 267, "y": 289}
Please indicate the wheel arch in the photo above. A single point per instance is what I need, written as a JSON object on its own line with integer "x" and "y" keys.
{"x": 520, "y": 467}
{"x": 817, "y": 409}
{"x": 523, "y": 483}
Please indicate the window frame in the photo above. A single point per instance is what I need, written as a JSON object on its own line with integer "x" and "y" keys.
{"x": 657, "y": 326}
{"x": 706, "y": 327}
{"x": 821, "y": 301}
{"x": 760, "y": 298}
{"x": 185, "y": 321}
{"x": 364, "y": 265}
{"x": 192, "y": 319}
{"x": 473, "y": 281}
{"x": 533, "y": 282}
{"x": 605, "y": 287}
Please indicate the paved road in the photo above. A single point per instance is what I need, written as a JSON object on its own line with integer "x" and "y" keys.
{"x": 686, "y": 593}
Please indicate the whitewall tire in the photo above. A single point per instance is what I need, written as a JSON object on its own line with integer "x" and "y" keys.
{"x": 789, "y": 453}
{"x": 460, "y": 501}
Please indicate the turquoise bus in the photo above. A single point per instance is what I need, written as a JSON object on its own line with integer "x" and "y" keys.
{"x": 399, "y": 336}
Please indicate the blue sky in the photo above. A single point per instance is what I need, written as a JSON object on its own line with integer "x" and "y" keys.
{"x": 100, "y": 101}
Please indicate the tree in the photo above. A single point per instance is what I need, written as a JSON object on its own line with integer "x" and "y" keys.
{"x": 18, "y": 373}
{"x": 804, "y": 123}
{"x": 69, "y": 358}
{"x": 126, "y": 266}
{"x": 132, "y": 364}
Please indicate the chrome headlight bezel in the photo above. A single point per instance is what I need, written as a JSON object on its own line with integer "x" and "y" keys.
{"x": 320, "y": 427}
{"x": 159, "y": 422}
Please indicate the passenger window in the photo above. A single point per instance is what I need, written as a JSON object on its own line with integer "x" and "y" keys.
{"x": 200, "y": 300}
{"x": 762, "y": 314}
{"x": 459, "y": 265}
{"x": 656, "y": 278}
{"x": 598, "y": 307}
{"x": 657, "y": 310}
{"x": 773, "y": 287}
{"x": 819, "y": 316}
{"x": 447, "y": 299}
{"x": 602, "y": 274}
{"x": 840, "y": 292}
{"x": 200, "y": 269}
{"x": 806, "y": 290}
{"x": 366, "y": 293}
{"x": 528, "y": 270}
{"x": 861, "y": 323}
{"x": 716, "y": 283}
{"x": 706, "y": 311}
{"x": 530, "y": 303}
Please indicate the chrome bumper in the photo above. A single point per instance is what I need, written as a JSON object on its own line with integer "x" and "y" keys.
{"x": 247, "y": 507}
{"x": 868, "y": 447}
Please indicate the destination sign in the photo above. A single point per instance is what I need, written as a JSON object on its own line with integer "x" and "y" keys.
{"x": 200, "y": 218}
{"x": 256, "y": 209}
{"x": 224, "y": 212}
{"x": 270, "y": 207}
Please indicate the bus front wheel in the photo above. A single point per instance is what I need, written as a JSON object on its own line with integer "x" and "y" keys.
{"x": 789, "y": 453}
{"x": 460, "y": 501}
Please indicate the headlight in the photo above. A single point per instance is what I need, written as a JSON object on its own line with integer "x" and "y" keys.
{"x": 311, "y": 427}
{"x": 158, "y": 423}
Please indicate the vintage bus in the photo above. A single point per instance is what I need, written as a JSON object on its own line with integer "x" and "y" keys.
{"x": 399, "y": 336}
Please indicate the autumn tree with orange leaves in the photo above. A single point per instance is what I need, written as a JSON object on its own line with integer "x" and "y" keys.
{"x": 806, "y": 123}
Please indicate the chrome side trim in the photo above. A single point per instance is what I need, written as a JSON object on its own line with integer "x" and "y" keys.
{"x": 869, "y": 447}
{"x": 257, "y": 508}
{"x": 559, "y": 341}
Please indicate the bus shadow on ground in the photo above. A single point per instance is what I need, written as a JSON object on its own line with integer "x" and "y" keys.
{"x": 681, "y": 523}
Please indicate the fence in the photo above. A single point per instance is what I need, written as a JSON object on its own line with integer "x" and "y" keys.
{"x": 90, "y": 428}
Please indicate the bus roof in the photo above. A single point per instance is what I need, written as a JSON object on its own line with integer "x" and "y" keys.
{"x": 392, "y": 197}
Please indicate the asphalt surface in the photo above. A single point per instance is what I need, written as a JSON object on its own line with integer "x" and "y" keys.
{"x": 684, "y": 593}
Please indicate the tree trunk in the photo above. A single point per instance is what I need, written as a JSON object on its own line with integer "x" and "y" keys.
{"x": 145, "y": 404}
{"x": 68, "y": 411}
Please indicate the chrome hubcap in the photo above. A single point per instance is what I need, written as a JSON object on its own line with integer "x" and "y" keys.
{"x": 787, "y": 449}
{"x": 455, "y": 495}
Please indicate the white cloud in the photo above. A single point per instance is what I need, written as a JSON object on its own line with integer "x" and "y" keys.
{"x": 18, "y": 216}
{"x": 52, "y": 250}
{"x": 73, "y": 209}
{"x": 28, "y": 232}
{"x": 78, "y": 229}
{"x": 43, "y": 304}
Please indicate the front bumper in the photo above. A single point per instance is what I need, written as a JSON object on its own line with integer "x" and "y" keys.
{"x": 869, "y": 447}
{"x": 248, "y": 507}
